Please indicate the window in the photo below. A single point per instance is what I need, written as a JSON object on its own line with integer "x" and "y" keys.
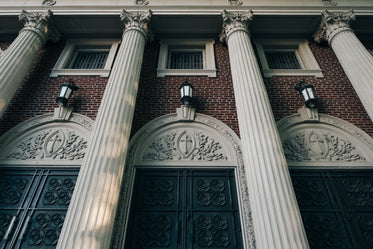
{"x": 287, "y": 58}
{"x": 89, "y": 60}
{"x": 186, "y": 57}
{"x": 86, "y": 57}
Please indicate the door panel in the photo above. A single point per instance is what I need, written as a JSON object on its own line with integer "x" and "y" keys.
{"x": 37, "y": 201}
{"x": 336, "y": 207}
{"x": 184, "y": 208}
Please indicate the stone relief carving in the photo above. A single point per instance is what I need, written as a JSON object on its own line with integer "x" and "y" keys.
{"x": 52, "y": 144}
{"x": 315, "y": 145}
{"x": 185, "y": 144}
{"x": 48, "y": 2}
{"x": 235, "y": 2}
{"x": 141, "y": 2}
{"x": 233, "y": 22}
{"x": 41, "y": 24}
{"x": 329, "y": 2}
{"x": 138, "y": 21}
{"x": 332, "y": 24}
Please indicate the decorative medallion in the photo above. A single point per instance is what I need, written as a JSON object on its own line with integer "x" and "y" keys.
{"x": 185, "y": 144}
{"x": 54, "y": 143}
{"x": 48, "y": 2}
{"x": 329, "y": 2}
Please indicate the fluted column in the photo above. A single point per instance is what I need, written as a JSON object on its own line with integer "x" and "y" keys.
{"x": 18, "y": 58}
{"x": 355, "y": 59}
{"x": 276, "y": 217}
{"x": 90, "y": 218}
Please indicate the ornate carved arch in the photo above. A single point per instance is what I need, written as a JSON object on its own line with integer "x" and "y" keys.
{"x": 173, "y": 141}
{"x": 46, "y": 140}
{"x": 312, "y": 139}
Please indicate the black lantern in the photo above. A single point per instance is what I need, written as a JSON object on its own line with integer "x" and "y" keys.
{"x": 66, "y": 90}
{"x": 308, "y": 93}
{"x": 186, "y": 92}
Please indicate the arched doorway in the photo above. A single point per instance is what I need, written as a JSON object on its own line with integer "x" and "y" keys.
{"x": 188, "y": 176}
{"x": 39, "y": 165}
{"x": 331, "y": 165}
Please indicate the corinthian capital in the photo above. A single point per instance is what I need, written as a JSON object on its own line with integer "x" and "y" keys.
{"x": 332, "y": 24}
{"x": 136, "y": 21}
{"x": 233, "y": 22}
{"x": 40, "y": 23}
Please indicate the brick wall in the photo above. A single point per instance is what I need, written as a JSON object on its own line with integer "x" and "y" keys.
{"x": 38, "y": 92}
{"x": 335, "y": 92}
{"x": 160, "y": 96}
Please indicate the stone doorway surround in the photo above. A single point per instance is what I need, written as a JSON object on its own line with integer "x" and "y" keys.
{"x": 179, "y": 141}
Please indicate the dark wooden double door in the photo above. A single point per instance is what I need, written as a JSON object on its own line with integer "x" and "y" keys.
{"x": 33, "y": 205}
{"x": 336, "y": 207}
{"x": 184, "y": 208}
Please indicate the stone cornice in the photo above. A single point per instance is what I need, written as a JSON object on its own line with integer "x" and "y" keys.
{"x": 41, "y": 24}
{"x": 233, "y": 22}
{"x": 136, "y": 21}
{"x": 333, "y": 24}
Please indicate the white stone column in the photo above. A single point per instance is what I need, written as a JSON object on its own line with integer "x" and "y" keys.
{"x": 90, "y": 218}
{"x": 18, "y": 58}
{"x": 275, "y": 213}
{"x": 355, "y": 59}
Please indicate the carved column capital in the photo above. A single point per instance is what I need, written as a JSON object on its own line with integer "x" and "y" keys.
{"x": 333, "y": 24}
{"x": 233, "y": 22}
{"x": 136, "y": 21}
{"x": 40, "y": 23}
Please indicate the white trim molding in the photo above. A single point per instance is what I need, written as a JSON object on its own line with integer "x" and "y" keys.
{"x": 207, "y": 47}
{"x": 72, "y": 46}
{"x": 307, "y": 62}
{"x": 162, "y": 144}
{"x": 315, "y": 140}
{"x": 45, "y": 140}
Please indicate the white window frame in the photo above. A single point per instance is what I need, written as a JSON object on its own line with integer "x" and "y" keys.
{"x": 168, "y": 45}
{"x": 308, "y": 63}
{"x": 61, "y": 67}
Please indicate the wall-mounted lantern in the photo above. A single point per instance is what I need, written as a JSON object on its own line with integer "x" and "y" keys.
{"x": 308, "y": 93}
{"x": 186, "y": 93}
{"x": 66, "y": 90}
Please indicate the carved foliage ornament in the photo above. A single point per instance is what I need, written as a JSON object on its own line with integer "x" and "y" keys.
{"x": 314, "y": 145}
{"x": 185, "y": 145}
{"x": 332, "y": 24}
{"x": 235, "y": 22}
{"x": 40, "y": 23}
{"x": 136, "y": 21}
{"x": 52, "y": 144}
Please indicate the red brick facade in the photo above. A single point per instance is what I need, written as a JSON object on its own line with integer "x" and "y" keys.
{"x": 160, "y": 96}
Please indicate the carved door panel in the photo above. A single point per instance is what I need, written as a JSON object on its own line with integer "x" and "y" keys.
{"x": 182, "y": 209}
{"x": 336, "y": 207}
{"x": 33, "y": 204}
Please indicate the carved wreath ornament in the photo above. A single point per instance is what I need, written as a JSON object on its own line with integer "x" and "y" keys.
{"x": 320, "y": 146}
{"x": 52, "y": 144}
{"x": 181, "y": 145}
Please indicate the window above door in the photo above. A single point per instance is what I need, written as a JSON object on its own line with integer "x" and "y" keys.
{"x": 186, "y": 57}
